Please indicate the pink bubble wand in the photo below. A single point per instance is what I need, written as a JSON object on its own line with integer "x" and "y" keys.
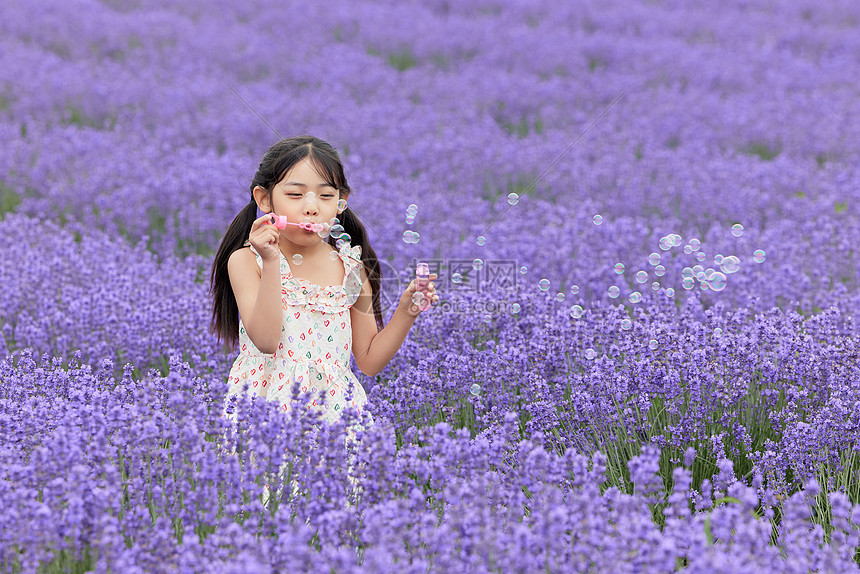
{"x": 280, "y": 221}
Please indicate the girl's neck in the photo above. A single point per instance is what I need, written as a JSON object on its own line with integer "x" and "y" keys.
{"x": 306, "y": 251}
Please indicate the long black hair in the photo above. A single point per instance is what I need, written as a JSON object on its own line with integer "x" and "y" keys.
{"x": 280, "y": 159}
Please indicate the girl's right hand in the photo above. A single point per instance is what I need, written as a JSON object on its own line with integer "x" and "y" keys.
{"x": 264, "y": 237}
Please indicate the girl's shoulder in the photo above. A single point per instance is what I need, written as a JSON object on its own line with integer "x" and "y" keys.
{"x": 242, "y": 259}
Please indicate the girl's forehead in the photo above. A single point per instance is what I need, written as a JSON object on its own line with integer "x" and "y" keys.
{"x": 305, "y": 171}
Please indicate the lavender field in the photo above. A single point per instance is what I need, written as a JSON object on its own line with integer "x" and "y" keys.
{"x": 644, "y": 217}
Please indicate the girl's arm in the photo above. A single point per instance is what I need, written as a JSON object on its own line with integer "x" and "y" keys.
{"x": 258, "y": 292}
{"x": 374, "y": 350}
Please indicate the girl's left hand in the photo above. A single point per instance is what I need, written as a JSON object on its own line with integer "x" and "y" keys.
{"x": 429, "y": 291}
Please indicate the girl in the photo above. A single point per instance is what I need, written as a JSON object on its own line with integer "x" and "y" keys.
{"x": 293, "y": 303}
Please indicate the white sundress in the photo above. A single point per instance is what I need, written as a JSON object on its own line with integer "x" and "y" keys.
{"x": 314, "y": 348}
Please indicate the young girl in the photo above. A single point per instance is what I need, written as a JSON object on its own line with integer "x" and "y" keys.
{"x": 294, "y": 304}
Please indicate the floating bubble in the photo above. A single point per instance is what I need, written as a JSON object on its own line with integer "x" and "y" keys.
{"x": 737, "y": 229}
{"x": 407, "y": 236}
{"x": 665, "y": 243}
{"x": 676, "y": 239}
{"x": 641, "y": 276}
{"x": 718, "y": 258}
{"x": 310, "y": 196}
{"x": 655, "y": 286}
{"x": 341, "y": 204}
{"x": 614, "y": 292}
{"x": 487, "y": 318}
{"x": 687, "y": 272}
{"x": 654, "y": 259}
{"x": 336, "y": 230}
{"x": 481, "y": 240}
{"x": 700, "y": 256}
{"x": 619, "y": 268}
{"x": 410, "y": 220}
{"x": 670, "y": 292}
{"x": 543, "y": 284}
{"x": 701, "y": 276}
{"x": 574, "y": 289}
{"x": 478, "y": 264}
{"x": 576, "y": 311}
{"x": 704, "y": 285}
{"x": 456, "y": 277}
{"x": 513, "y": 198}
{"x": 717, "y": 281}
{"x": 418, "y": 298}
{"x": 475, "y": 389}
{"x": 340, "y": 243}
{"x": 635, "y": 297}
{"x": 524, "y": 270}
{"x": 333, "y": 255}
{"x": 659, "y": 271}
{"x": 559, "y": 297}
{"x": 597, "y": 219}
{"x": 695, "y": 244}
{"x": 718, "y": 333}
{"x": 412, "y": 209}
{"x": 626, "y": 324}
{"x": 652, "y": 344}
{"x": 515, "y": 308}
{"x": 759, "y": 256}
{"x": 688, "y": 283}
{"x": 709, "y": 272}
{"x": 697, "y": 269}
{"x": 730, "y": 265}
{"x": 687, "y": 249}
{"x": 297, "y": 259}
{"x": 590, "y": 354}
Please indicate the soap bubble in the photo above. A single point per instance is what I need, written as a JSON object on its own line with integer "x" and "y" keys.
{"x": 659, "y": 271}
{"x": 614, "y": 291}
{"x": 412, "y": 209}
{"x": 635, "y": 297}
{"x": 410, "y": 220}
{"x": 515, "y": 308}
{"x": 718, "y": 333}
{"x": 687, "y": 249}
{"x": 524, "y": 270}
{"x": 597, "y": 219}
{"x": 333, "y": 255}
{"x": 704, "y": 285}
{"x": 759, "y": 256}
{"x": 737, "y": 229}
{"x": 697, "y": 269}
{"x": 654, "y": 259}
{"x": 297, "y": 259}
{"x": 652, "y": 344}
{"x": 717, "y": 281}
{"x": 665, "y": 243}
{"x": 576, "y": 311}
{"x": 487, "y": 318}
{"x": 544, "y": 284}
{"x": 676, "y": 239}
{"x": 477, "y": 264}
{"x": 687, "y": 272}
{"x": 688, "y": 283}
{"x": 336, "y": 230}
{"x": 475, "y": 389}
{"x": 417, "y": 298}
{"x": 670, "y": 292}
{"x": 700, "y": 256}
{"x": 655, "y": 286}
{"x": 559, "y": 297}
{"x": 619, "y": 268}
{"x": 513, "y": 198}
{"x": 481, "y": 240}
{"x": 456, "y": 277}
{"x": 641, "y": 276}
{"x": 730, "y": 264}
{"x": 411, "y": 236}
{"x": 574, "y": 289}
{"x": 310, "y": 196}
{"x": 718, "y": 258}
{"x": 590, "y": 354}
{"x": 626, "y": 324}
{"x": 341, "y": 204}
{"x": 695, "y": 244}
{"x": 341, "y": 242}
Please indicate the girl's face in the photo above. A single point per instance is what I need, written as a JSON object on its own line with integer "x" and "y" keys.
{"x": 302, "y": 195}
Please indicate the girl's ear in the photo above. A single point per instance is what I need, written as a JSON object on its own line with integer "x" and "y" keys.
{"x": 262, "y": 197}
